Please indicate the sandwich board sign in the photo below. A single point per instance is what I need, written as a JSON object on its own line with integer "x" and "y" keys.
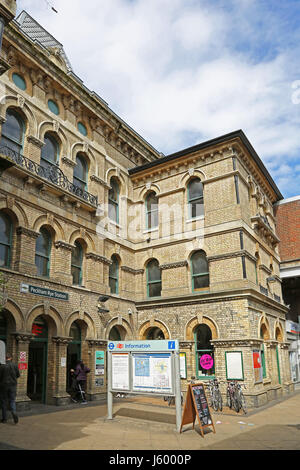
{"x": 196, "y": 405}
{"x": 144, "y": 367}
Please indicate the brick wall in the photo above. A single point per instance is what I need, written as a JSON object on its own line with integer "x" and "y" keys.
{"x": 288, "y": 229}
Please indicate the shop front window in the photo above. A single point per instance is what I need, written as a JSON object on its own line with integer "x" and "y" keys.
{"x": 205, "y": 362}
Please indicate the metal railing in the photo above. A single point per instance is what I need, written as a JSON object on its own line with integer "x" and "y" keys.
{"x": 49, "y": 172}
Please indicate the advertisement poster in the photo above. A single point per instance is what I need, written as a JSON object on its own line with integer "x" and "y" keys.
{"x": 182, "y": 357}
{"x": 234, "y": 365}
{"x": 152, "y": 372}
{"x": 120, "y": 371}
{"x": 257, "y": 366}
{"x": 99, "y": 362}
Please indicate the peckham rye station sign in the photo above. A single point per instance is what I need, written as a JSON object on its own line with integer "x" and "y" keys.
{"x": 43, "y": 291}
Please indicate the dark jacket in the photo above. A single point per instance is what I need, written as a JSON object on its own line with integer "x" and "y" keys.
{"x": 9, "y": 373}
{"x": 81, "y": 373}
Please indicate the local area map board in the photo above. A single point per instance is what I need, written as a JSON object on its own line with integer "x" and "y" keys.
{"x": 144, "y": 367}
{"x": 196, "y": 405}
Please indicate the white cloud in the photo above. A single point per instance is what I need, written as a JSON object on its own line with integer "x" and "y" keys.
{"x": 183, "y": 71}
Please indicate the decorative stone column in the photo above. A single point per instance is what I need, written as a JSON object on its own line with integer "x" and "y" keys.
{"x": 25, "y": 251}
{"x": 97, "y": 384}
{"x": 22, "y": 341}
{"x": 60, "y": 395}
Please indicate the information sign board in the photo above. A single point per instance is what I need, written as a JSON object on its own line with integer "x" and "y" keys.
{"x": 152, "y": 372}
{"x": 120, "y": 371}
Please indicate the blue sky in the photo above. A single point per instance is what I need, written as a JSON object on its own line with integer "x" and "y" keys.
{"x": 184, "y": 71}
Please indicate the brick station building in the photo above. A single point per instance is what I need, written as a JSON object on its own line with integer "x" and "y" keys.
{"x": 104, "y": 238}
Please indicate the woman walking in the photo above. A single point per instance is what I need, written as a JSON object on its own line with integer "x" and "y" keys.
{"x": 81, "y": 372}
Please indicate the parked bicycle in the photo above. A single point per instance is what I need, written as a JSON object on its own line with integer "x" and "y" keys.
{"x": 215, "y": 394}
{"x": 235, "y": 396}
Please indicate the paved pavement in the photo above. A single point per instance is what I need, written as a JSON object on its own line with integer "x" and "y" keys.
{"x": 149, "y": 424}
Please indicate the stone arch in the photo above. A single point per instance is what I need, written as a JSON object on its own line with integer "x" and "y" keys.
{"x": 264, "y": 329}
{"x": 116, "y": 173}
{"x": 21, "y": 106}
{"x": 13, "y": 308}
{"x": 50, "y": 126}
{"x": 53, "y": 224}
{"x": 119, "y": 321}
{"x": 144, "y": 329}
{"x": 185, "y": 179}
{"x": 85, "y": 237}
{"x": 86, "y": 318}
{"x": 278, "y": 332}
{"x": 194, "y": 322}
{"x": 82, "y": 147}
{"x": 149, "y": 189}
{"x": 48, "y": 311}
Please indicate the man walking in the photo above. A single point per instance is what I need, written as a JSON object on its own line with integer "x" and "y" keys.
{"x": 9, "y": 373}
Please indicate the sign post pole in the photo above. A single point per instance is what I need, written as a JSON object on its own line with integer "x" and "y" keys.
{"x": 177, "y": 392}
{"x": 109, "y": 393}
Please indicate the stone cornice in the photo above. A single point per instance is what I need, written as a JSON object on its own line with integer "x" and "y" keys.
{"x": 26, "y": 231}
{"x": 186, "y": 344}
{"x": 68, "y": 161}
{"x": 62, "y": 339}
{"x": 23, "y": 336}
{"x": 64, "y": 245}
{"x": 233, "y": 342}
{"x": 100, "y": 258}
{"x": 232, "y": 255}
{"x": 34, "y": 140}
{"x": 131, "y": 270}
{"x": 176, "y": 264}
{"x": 97, "y": 342}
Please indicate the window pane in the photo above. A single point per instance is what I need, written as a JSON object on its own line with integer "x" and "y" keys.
{"x": 76, "y": 275}
{"x": 155, "y": 289}
{"x": 80, "y": 168}
{"x": 11, "y": 144}
{"x": 199, "y": 263}
{"x": 114, "y": 191}
{"x": 77, "y": 255}
{"x": 152, "y": 219}
{"x": 195, "y": 189}
{"x": 152, "y": 202}
{"x": 3, "y": 325}
{"x": 5, "y": 229}
{"x": 42, "y": 265}
{"x": 196, "y": 208}
{"x": 13, "y": 128}
{"x": 4, "y": 255}
{"x": 43, "y": 244}
{"x": 153, "y": 271}
{"x": 113, "y": 211}
{"x": 203, "y": 363}
{"x": 50, "y": 150}
{"x": 79, "y": 184}
{"x": 203, "y": 337}
{"x": 114, "y": 268}
{"x": 75, "y": 332}
{"x": 113, "y": 284}
{"x": 201, "y": 281}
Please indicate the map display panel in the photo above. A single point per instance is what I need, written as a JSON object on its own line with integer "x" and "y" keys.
{"x": 152, "y": 372}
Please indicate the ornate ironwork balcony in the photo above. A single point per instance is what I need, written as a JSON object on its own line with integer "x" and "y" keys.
{"x": 50, "y": 173}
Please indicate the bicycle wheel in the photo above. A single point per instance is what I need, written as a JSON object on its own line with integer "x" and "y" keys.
{"x": 219, "y": 400}
{"x": 243, "y": 403}
{"x": 228, "y": 399}
{"x": 215, "y": 403}
{"x": 236, "y": 403}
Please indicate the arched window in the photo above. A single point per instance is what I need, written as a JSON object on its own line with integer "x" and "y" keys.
{"x": 153, "y": 279}
{"x": 6, "y": 228}
{"x": 113, "y": 201}
{"x": 155, "y": 333}
{"x": 76, "y": 264}
{"x": 80, "y": 172}
{"x": 199, "y": 270}
{"x": 204, "y": 351}
{"x": 13, "y": 131}
{"x": 42, "y": 253}
{"x": 114, "y": 275}
{"x": 151, "y": 211}
{"x": 264, "y": 336}
{"x": 115, "y": 334}
{"x": 50, "y": 151}
{"x": 195, "y": 198}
